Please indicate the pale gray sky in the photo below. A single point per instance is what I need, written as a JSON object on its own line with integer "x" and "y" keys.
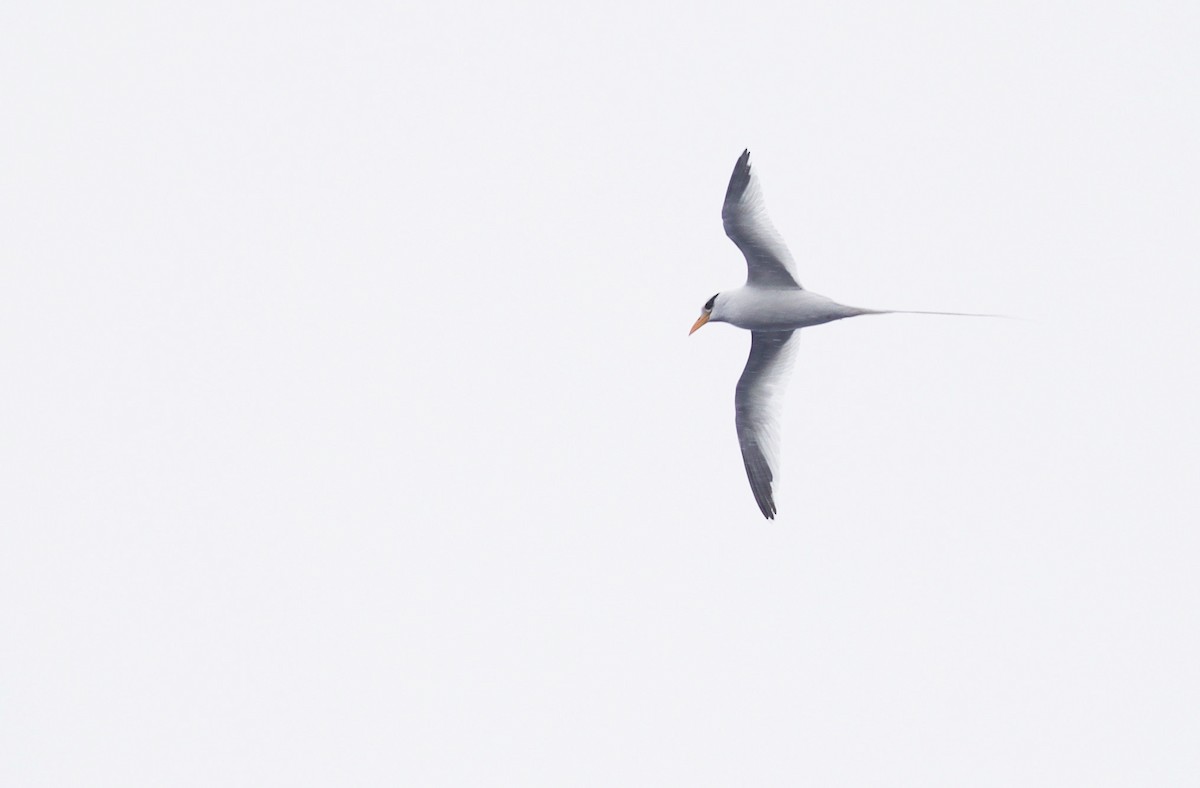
{"x": 353, "y": 435}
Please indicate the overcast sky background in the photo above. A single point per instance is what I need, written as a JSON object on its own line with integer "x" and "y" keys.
{"x": 352, "y": 434}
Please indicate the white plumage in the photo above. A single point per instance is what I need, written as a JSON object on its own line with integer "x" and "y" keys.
{"x": 773, "y": 307}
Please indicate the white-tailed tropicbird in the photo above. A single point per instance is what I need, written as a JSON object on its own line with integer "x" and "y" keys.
{"x": 773, "y": 306}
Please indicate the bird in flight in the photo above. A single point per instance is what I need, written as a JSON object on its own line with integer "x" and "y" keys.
{"x": 773, "y": 307}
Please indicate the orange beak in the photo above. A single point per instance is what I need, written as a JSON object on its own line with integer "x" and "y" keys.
{"x": 699, "y": 322}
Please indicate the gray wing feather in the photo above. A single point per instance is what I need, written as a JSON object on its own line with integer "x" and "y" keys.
{"x": 768, "y": 261}
{"x": 759, "y": 402}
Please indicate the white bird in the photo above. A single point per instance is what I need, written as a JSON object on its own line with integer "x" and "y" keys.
{"x": 773, "y": 306}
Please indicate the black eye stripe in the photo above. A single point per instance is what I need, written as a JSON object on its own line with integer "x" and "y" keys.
{"x": 709, "y": 305}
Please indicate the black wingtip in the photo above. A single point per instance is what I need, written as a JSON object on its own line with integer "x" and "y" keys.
{"x": 740, "y": 178}
{"x": 766, "y": 501}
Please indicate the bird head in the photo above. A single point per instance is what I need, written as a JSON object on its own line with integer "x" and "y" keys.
{"x": 705, "y": 315}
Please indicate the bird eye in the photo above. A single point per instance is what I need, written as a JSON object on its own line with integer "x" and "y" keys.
{"x": 709, "y": 304}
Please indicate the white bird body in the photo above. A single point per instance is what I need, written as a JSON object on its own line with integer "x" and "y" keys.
{"x": 772, "y": 306}
{"x": 772, "y": 309}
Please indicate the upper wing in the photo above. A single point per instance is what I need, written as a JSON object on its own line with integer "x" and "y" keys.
{"x": 759, "y": 401}
{"x": 768, "y": 260}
